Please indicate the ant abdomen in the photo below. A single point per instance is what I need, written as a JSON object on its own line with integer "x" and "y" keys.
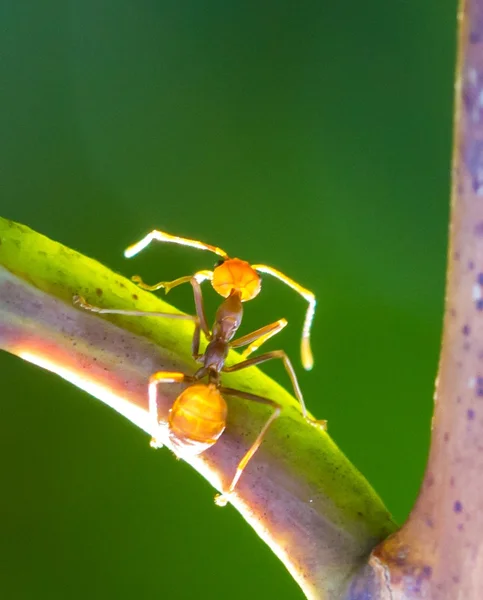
{"x": 197, "y": 418}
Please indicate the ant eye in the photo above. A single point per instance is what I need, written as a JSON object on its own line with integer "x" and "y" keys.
{"x": 219, "y": 263}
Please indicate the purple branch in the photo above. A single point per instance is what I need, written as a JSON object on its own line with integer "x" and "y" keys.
{"x": 299, "y": 493}
{"x": 438, "y": 554}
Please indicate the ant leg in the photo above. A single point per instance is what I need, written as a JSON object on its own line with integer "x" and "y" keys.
{"x": 256, "y": 360}
{"x": 195, "y": 343}
{"x": 200, "y": 276}
{"x": 305, "y": 350}
{"x": 195, "y": 281}
{"x": 200, "y": 308}
{"x": 258, "y": 337}
{"x": 81, "y": 302}
{"x": 161, "y": 236}
{"x": 201, "y": 323}
{"x": 154, "y": 381}
{"x": 166, "y": 285}
{"x": 222, "y": 499}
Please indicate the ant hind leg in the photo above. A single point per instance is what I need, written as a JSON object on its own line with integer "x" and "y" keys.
{"x": 154, "y": 381}
{"x": 223, "y": 498}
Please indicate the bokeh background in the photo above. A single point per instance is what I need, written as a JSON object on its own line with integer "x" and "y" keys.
{"x": 313, "y": 136}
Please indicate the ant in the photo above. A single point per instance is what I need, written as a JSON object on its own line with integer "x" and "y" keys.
{"x": 198, "y": 416}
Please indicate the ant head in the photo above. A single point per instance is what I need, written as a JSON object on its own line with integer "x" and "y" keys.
{"x": 238, "y": 275}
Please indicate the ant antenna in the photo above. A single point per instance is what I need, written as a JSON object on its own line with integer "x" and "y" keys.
{"x": 305, "y": 349}
{"x": 161, "y": 236}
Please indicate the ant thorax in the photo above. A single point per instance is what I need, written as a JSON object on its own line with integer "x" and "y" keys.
{"x": 228, "y": 317}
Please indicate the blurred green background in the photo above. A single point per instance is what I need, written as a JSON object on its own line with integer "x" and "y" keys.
{"x": 312, "y": 136}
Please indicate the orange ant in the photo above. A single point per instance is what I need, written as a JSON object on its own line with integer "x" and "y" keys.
{"x": 198, "y": 416}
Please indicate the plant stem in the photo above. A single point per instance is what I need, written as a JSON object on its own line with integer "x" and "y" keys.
{"x": 438, "y": 553}
{"x": 300, "y": 493}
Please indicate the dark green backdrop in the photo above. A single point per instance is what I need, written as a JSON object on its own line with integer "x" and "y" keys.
{"x": 314, "y": 136}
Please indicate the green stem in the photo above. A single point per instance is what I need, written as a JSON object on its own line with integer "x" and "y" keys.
{"x": 300, "y": 493}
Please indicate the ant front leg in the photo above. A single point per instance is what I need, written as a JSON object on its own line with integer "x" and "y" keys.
{"x": 200, "y": 276}
{"x": 154, "y": 381}
{"x": 195, "y": 281}
{"x": 201, "y": 322}
{"x": 200, "y": 312}
{"x": 222, "y": 499}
